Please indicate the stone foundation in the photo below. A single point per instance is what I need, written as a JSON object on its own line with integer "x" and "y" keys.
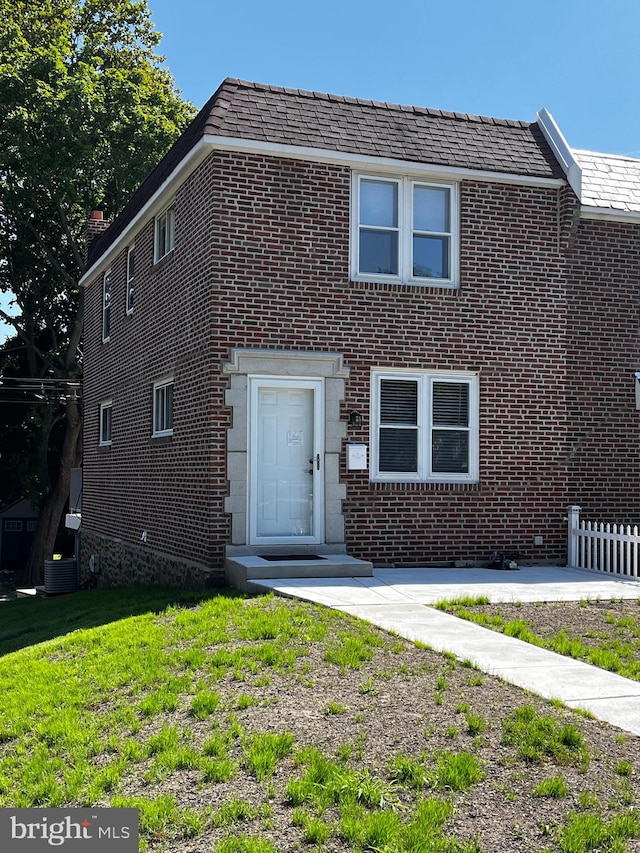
{"x": 123, "y": 564}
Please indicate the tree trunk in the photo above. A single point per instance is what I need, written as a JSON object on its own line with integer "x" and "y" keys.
{"x": 56, "y": 501}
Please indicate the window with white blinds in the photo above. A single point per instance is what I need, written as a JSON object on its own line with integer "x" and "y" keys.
{"x": 425, "y": 427}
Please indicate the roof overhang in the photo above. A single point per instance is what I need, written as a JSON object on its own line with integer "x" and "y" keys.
{"x": 153, "y": 206}
{"x": 610, "y": 214}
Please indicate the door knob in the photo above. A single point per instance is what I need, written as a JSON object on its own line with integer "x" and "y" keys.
{"x": 316, "y": 460}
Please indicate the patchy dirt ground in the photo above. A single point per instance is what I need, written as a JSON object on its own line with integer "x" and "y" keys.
{"x": 413, "y": 702}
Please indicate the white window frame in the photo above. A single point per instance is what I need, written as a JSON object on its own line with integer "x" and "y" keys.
{"x": 425, "y": 381}
{"x": 106, "y": 306}
{"x": 160, "y": 410}
{"x": 164, "y": 234}
{"x": 405, "y": 184}
{"x": 106, "y": 419}
{"x": 131, "y": 254}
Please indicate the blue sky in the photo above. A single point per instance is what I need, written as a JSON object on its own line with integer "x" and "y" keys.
{"x": 504, "y": 58}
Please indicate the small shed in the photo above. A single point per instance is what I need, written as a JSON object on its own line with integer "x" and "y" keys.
{"x": 18, "y": 523}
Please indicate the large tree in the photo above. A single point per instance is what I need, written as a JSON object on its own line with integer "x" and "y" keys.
{"x": 86, "y": 108}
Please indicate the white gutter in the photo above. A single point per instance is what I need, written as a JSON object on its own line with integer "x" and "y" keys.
{"x": 209, "y": 143}
{"x": 561, "y": 150}
{"x": 610, "y": 213}
{"x": 363, "y": 161}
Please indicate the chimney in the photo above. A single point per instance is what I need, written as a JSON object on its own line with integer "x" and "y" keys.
{"x": 94, "y": 227}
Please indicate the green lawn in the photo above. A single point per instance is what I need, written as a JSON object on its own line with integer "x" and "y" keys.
{"x": 255, "y": 725}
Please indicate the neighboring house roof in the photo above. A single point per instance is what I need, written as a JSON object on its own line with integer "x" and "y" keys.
{"x": 291, "y": 117}
{"x": 22, "y": 508}
{"x": 609, "y": 181}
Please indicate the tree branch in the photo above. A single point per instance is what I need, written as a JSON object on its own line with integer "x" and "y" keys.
{"x": 26, "y": 339}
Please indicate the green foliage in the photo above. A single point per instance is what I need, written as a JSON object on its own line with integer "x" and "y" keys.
{"x": 263, "y": 750}
{"x": 408, "y": 771}
{"x": 245, "y": 844}
{"x": 234, "y": 811}
{"x": 367, "y": 830}
{"x": 315, "y": 831}
{"x": 204, "y": 704}
{"x": 462, "y": 601}
{"x": 335, "y": 708}
{"x": 538, "y": 737}
{"x": 588, "y": 831}
{"x": 86, "y": 110}
{"x": 554, "y": 788}
{"x": 457, "y": 771}
{"x": 218, "y": 769}
{"x": 350, "y": 651}
{"x": 475, "y": 724}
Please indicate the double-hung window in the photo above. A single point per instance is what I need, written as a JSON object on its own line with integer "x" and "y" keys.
{"x": 106, "y": 306}
{"x": 131, "y": 263}
{"x": 164, "y": 234}
{"x": 405, "y": 230}
{"x": 425, "y": 427}
{"x": 106, "y": 411}
{"x": 163, "y": 407}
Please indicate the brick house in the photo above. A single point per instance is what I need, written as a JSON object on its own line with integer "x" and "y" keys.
{"x": 327, "y": 327}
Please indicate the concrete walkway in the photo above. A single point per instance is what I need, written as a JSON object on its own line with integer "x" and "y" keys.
{"x": 399, "y": 600}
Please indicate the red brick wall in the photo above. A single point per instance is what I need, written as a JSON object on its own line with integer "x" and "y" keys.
{"x": 262, "y": 260}
{"x": 604, "y": 354}
{"x": 164, "y": 486}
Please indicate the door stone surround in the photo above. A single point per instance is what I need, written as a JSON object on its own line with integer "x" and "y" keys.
{"x": 301, "y": 364}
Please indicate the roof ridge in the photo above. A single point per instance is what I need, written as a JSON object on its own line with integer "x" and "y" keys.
{"x": 386, "y": 105}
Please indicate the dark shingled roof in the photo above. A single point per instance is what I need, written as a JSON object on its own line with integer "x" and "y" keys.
{"x": 350, "y": 125}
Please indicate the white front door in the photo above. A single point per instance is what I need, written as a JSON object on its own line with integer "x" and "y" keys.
{"x": 286, "y": 477}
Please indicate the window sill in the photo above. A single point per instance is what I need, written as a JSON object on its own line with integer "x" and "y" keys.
{"x": 422, "y": 486}
{"x": 405, "y": 287}
{"x": 161, "y": 435}
{"x": 158, "y": 262}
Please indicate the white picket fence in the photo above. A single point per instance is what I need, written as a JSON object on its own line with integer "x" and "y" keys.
{"x": 610, "y": 548}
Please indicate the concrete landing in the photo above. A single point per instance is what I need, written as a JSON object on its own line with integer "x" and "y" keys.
{"x": 241, "y": 571}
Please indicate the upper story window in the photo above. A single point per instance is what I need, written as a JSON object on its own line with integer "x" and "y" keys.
{"x": 164, "y": 234}
{"x": 405, "y": 230}
{"x": 425, "y": 427}
{"x": 163, "y": 407}
{"x": 106, "y": 410}
{"x": 106, "y": 306}
{"x": 131, "y": 263}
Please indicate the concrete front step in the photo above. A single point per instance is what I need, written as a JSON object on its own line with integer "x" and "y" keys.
{"x": 241, "y": 570}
